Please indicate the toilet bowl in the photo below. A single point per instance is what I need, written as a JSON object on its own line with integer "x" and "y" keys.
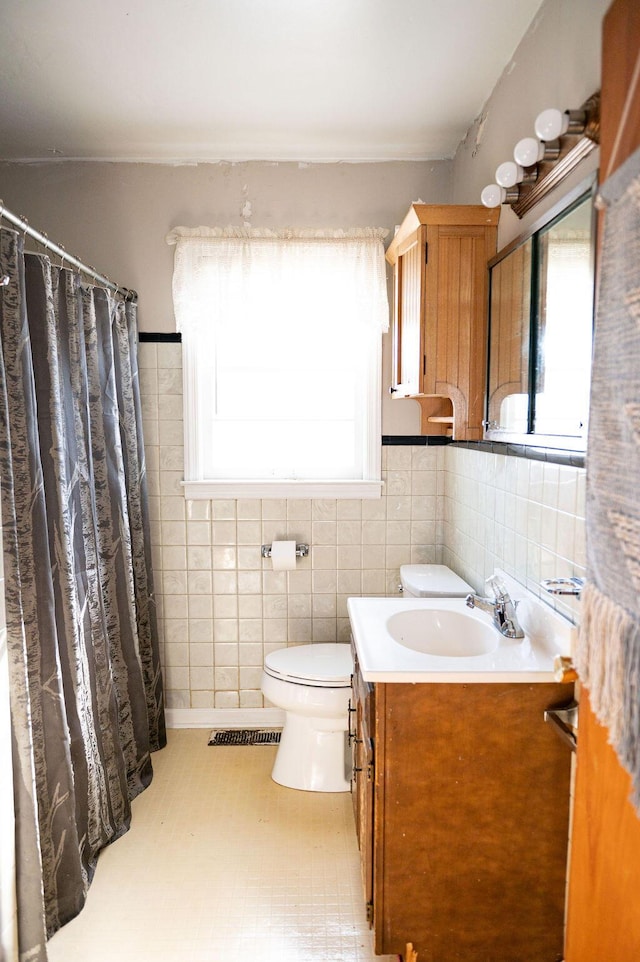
{"x": 312, "y": 684}
{"x": 432, "y": 581}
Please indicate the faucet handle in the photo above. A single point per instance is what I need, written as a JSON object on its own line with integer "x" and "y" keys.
{"x": 498, "y": 589}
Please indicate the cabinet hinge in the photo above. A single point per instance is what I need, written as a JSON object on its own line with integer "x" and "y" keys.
{"x": 369, "y": 911}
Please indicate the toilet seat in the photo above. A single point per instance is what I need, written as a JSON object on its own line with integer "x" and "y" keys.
{"x": 318, "y": 666}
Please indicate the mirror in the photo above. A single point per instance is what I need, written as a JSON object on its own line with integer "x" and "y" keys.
{"x": 540, "y": 331}
{"x": 509, "y": 341}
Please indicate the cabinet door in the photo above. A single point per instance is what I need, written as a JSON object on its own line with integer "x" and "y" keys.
{"x": 363, "y": 784}
{"x": 472, "y": 818}
{"x": 365, "y": 818}
{"x": 454, "y": 350}
{"x": 408, "y": 335}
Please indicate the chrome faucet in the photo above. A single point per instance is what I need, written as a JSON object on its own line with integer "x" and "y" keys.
{"x": 500, "y": 607}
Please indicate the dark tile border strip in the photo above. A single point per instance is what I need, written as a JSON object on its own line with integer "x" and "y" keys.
{"x": 147, "y": 337}
{"x": 572, "y": 459}
{"x": 400, "y": 439}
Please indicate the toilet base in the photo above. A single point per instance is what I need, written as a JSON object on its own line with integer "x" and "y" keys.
{"x": 311, "y": 757}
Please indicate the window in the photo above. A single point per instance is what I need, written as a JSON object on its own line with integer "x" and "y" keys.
{"x": 281, "y": 336}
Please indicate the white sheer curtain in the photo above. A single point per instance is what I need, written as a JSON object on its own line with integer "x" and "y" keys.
{"x": 282, "y": 343}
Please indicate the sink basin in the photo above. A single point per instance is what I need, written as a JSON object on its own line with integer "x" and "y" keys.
{"x": 448, "y": 634}
{"x": 440, "y": 640}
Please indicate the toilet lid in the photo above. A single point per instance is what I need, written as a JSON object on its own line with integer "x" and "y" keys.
{"x": 323, "y": 666}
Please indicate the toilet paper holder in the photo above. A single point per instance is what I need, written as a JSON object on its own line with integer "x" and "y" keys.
{"x": 302, "y": 550}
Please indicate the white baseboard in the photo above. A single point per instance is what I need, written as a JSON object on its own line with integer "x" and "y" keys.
{"x": 224, "y": 717}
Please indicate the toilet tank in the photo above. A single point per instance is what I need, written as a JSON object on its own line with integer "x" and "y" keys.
{"x": 432, "y": 581}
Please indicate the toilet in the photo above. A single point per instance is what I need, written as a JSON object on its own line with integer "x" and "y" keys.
{"x": 312, "y": 683}
{"x": 432, "y": 581}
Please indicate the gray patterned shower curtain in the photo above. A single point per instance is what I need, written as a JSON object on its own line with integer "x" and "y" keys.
{"x": 86, "y": 687}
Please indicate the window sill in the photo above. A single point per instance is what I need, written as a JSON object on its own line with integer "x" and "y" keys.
{"x": 206, "y": 490}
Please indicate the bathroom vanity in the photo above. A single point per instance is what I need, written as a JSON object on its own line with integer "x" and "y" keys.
{"x": 461, "y": 797}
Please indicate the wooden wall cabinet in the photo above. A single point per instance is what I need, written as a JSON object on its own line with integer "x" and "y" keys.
{"x": 461, "y": 797}
{"x": 439, "y": 256}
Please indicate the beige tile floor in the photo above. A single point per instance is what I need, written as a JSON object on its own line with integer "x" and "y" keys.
{"x": 223, "y": 865}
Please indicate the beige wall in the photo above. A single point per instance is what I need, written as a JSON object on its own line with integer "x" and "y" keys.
{"x": 116, "y": 217}
{"x": 557, "y": 64}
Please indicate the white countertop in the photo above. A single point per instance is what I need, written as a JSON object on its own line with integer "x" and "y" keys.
{"x": 526, "y": 660}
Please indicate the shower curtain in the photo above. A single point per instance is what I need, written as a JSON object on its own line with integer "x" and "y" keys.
{"x": 86, "y": 687}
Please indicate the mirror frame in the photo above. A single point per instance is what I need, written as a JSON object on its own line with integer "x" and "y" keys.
{"x": 585, "y": 189}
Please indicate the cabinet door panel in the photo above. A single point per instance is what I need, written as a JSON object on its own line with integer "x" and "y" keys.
{"x": 457, "y": 325}
{"x": 363, "y": 695}
{"x": 470, "y": 862}
{"x": 409, "y": 288}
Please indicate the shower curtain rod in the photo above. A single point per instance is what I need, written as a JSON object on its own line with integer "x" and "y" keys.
{"x": 22, "y": 225}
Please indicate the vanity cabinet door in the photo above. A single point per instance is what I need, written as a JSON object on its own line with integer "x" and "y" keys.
{"x": 471, "y": 820}
{"x": 363, "y": 782}
{"x": 439, "y": 255}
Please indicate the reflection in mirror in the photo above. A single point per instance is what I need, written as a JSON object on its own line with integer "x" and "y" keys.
{"x": 540, "y": 332}
{"x": 509, "y": 347}
{"x": 565, "y": 325}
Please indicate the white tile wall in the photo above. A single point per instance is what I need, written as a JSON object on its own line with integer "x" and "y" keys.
{"x": 524, "y": 516}
{"x": 221, "y": 606}
{"x": 7, "y": 848}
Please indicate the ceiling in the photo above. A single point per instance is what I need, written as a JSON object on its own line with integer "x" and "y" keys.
{"x": 207, "y": 80}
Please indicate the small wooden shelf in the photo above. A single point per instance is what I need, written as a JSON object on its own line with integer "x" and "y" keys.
{"x": 440, "y": 420}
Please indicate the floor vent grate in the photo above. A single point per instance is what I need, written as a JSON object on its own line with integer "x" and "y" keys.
{"x": 244, "y": 736}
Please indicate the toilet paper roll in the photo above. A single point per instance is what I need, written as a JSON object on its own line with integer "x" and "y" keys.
{"x": 283, "y": 555}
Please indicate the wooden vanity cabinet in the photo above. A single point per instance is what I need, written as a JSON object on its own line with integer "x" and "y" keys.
{"x": 439, "y": 255}
{"x": 461, "y": 797}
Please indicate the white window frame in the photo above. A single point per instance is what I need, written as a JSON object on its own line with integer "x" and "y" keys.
{"x": 197, "y": 487}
